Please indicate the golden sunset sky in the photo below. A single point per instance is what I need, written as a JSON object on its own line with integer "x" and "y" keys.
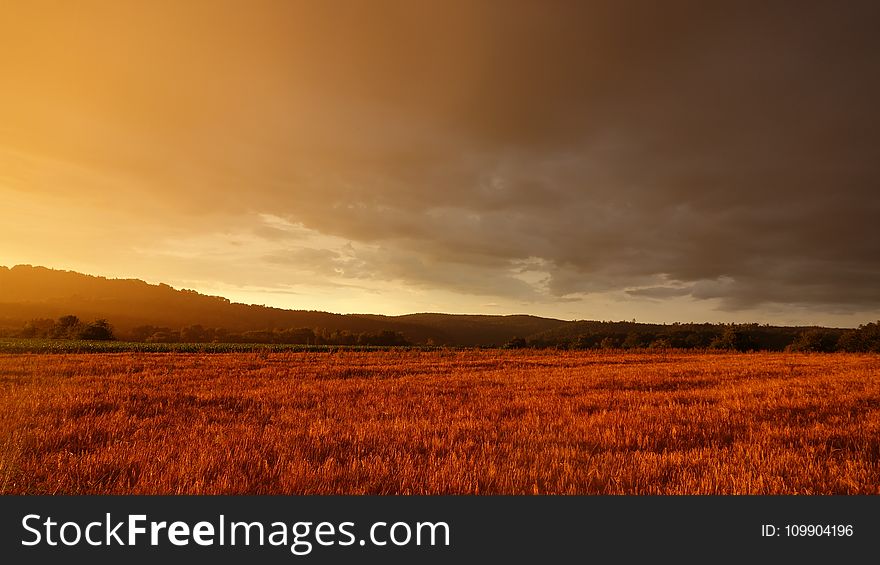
{"x": 664, "y": 161}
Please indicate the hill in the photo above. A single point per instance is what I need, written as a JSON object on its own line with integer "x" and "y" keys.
{"x": 28, "y": 293}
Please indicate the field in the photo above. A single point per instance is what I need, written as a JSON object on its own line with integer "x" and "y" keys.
{"x": 15, "y": 345}
{"x": 439, "y": 422}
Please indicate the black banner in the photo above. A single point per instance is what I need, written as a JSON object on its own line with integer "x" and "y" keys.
{"x": 443, "y": 529}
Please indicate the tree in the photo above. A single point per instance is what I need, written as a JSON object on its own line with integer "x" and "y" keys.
{"x": 192, "y": 334}
{"x": 866, "y": 338}
{"x": 584, "y": 341}
{"x": 97, "y": 330}
{"x": 735, "y": 338}
{"x": 814, "y": 339}
{"x": 636, "y": 340}
{"x": 67, "y": 327}
{"x": 661, "y": 343}
{"x": 142, "y": 333}
{"x": 870, "y": 334}
{"x": 38, "y": 327}
{"x": 850, "y": 341}
{"x": 609, "y": 342}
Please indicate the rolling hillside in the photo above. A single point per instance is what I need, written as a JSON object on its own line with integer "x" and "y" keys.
{"x": 28, "y": 293}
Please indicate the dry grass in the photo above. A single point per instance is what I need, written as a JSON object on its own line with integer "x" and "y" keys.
{"x": 440, "y": 422}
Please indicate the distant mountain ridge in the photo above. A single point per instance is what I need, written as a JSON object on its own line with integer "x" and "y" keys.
{"x": 28, "y": 292}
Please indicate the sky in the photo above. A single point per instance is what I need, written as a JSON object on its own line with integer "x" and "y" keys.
{"x": 658, "y": 161}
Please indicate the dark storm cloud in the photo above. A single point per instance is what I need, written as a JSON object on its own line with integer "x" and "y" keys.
{"x": 732, "y": 151}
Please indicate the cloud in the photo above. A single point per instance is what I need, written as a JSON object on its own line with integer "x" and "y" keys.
{"x": 539, "y": 153}
{"x": 660, "y": 292}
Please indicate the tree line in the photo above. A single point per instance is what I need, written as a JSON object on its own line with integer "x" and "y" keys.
{"x": 288, "y": 336}
{"x": 579, "y": 335}
{"x": 729, "y": 337}
{"x": 71, "y": 327}
{"x": 67, "y": 327}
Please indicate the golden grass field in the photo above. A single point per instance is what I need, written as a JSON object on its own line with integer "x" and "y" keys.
{"x": 440, "y": 422}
